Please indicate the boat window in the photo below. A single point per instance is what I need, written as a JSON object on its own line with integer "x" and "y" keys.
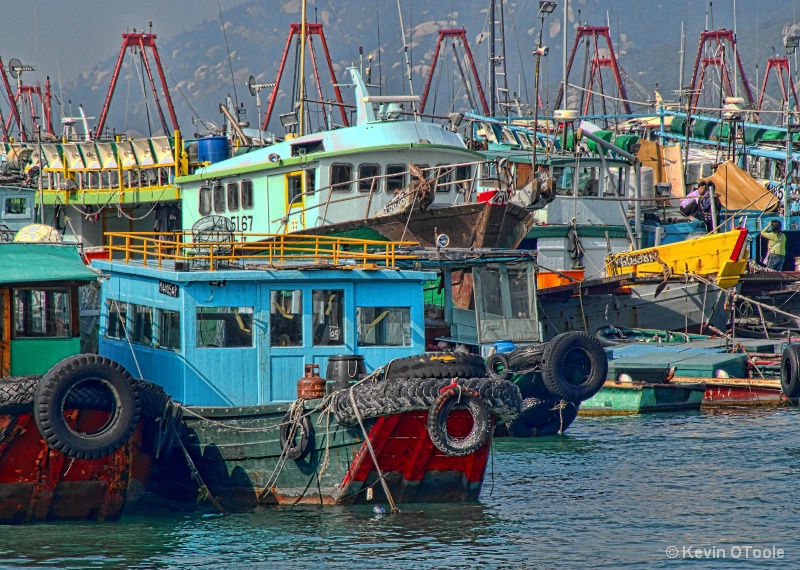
{"x": 384, "y": 326}
{"x": 169, "y": 330}
{"x": 41, "y": 313}
{"x": 523, "y": 138}
{"x": 311, "y": 181}
{"x": 141, "y": 324}
{"x": 205, "y": 201}
{"x": 519, "y": 294}
{"x": 509, "y": 138}
{"x": 294, "y": 189}
{"x": 341, "y": 177}
{"x": 224, "y": 327}
{"x": 463, "y": 177}
{"x": 115, "y": 325}
{"x": 233, "y": 196}
{"x": 328, "y": 317}
{"x": 16, "y": 206}
{"x": 286, "y": 318}
{"x": 395, "y": 177}
{"x": 247, "y": 194}
{"x": 368, "y": 177}
{"x": 444, "y": 175}
{"x": 490, "y": 286}
{"x": 219, "y": 198}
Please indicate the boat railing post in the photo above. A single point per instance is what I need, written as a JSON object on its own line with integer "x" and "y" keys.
{"x": 127, "y": 248}
{"x": 637, "y": 207}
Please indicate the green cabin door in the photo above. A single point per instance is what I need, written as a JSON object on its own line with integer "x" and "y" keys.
{"x": 5, "y": 333}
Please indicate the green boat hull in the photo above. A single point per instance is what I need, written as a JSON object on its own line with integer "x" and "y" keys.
{"x": 619, "y": 398}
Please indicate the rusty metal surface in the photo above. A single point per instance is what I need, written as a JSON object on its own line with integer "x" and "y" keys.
{"x": 40, "y": 484}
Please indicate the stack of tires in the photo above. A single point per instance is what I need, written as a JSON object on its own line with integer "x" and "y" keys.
{"x": 569, "y": 369}
{"x": 438, "y": 383}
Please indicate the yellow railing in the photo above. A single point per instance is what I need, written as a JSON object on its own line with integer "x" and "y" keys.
{"x": 215, "y": 250}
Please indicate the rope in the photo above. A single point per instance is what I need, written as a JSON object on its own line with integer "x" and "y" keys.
{"x": 125, "y": 328}
{"x": 195, "y": 474}
{"x": 372, "y": 453}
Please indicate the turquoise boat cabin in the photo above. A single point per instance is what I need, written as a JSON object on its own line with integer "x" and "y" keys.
{"x": 238, "y": 327}
{"x": 39, "y": 305}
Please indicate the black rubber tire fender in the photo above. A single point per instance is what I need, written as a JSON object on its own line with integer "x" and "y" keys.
{"x": 497, "y": 367}
{"x": 437, "y": 365}
{"x": 541, "y": 417}
{"x": 291, "y": 447}
{"x": 574, "y": 366}
{"x": 790, "y": 371}
{"x": 526, "y": 357}
{"x": 450, "y": 398}
{"x": 16, "y": 394}
{"x": 79, "y": 372}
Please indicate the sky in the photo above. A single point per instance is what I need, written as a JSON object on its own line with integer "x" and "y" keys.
{"x": 68, "y": 36}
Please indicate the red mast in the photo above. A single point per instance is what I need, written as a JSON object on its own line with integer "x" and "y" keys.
{"x": 717, "y": 42}
{"x": 591, "y": 34}
{"x": 140, "y": 42}
{"x": 311, "y": 31}
{"x": 26, "y": 96}
{"x": 781, "y": 66}
{"x": 454, "y": 35}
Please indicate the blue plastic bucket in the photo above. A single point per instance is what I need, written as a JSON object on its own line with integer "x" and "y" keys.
{"x": 213, "y": 149}
{"x": 502, "y": 346}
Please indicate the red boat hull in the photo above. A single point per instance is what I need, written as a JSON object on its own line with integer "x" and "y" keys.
{"x": 40, "y": 484}
{"x": 414, "y": 469}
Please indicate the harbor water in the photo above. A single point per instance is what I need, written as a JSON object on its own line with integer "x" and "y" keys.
{"x": 660, "y": 491}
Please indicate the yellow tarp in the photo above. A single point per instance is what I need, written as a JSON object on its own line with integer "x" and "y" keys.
{"x": 739, "y": 191}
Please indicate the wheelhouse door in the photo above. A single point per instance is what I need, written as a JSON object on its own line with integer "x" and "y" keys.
{"x": 305, "y": 324}
{"x": 295, "y": 184}
{"x": 5, "y": 333}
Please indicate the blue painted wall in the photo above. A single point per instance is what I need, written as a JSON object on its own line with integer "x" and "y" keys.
{"x": 259, "y": 374}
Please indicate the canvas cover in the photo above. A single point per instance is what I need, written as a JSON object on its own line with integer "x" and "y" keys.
{"x": 42, "y": 263}
{"x": 737, "y": 190}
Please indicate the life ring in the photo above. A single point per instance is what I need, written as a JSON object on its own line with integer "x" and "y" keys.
{"x": 574, "y": 366}
{"x": 790, "y": 371}
{"x": 87, "y": 372}
{"x": 448, "y": 398}
{"x": 290, "y": 446}
{"x": 497, "y": 367}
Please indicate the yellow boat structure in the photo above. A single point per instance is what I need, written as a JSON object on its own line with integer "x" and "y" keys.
{"x": 722, "y": 256}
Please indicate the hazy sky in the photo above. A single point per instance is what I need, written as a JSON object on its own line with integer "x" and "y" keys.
{"x": 68, "y": 36}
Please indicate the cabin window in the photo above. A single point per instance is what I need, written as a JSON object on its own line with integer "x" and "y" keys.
{"x": 286, "y": 318}
{"x": 311, "y": 181}
{"x": 233, "y": 196}
{"x": 205, "y": 200}
{"x": 368, "y": 177}
{"x": 328, "y": 317}
{"x": 41, "y": 313}
{"x": 169, "y": 329}
{"x": 519, "y": 294}
{"x": 443, "y": 178}
{"x": 16, "y": 206}
{"x": 395, "y": 177}
{"x": 224, "y": 327}
{"x": 219, "y": 198}
{"x": 342, "y": 177}
{"x": 141, "y": 324}
{"x": 463, "y": 176}
{"x": 115, "y": 326}
{"x": 294, "y": 190}
{"x": 247, "y": 194}
{"x": 384, "y": 326}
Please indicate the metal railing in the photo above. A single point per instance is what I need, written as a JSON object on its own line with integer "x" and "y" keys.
{"x": 216, "y": 250}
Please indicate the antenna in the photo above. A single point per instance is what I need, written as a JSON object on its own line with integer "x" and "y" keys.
{"x": 255, "y": 90}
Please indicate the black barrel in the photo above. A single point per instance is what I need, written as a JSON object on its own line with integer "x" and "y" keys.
{"x": 343, "y": 369}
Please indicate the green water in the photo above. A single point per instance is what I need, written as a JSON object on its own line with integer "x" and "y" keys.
{"x": 613, "y": 493}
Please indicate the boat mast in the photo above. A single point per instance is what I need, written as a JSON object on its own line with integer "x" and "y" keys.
{"x": 564, "y": 54}
{"x": 301, "y": 122}
{"x": 408, "y": 63}
{"x": 493, "y": 98}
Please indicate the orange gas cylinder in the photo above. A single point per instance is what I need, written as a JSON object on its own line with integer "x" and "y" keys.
{"x": 311, "y": 386}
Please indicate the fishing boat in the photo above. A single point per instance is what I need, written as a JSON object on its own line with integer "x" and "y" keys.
{"x": 485, "y": 301}
{"x": 386, "y": 177}
{"x": 236, "y": 327}
{"x": 77, "y": 435}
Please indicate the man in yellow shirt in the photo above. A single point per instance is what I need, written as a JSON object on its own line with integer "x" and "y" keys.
{"x": 776, "y": 246}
